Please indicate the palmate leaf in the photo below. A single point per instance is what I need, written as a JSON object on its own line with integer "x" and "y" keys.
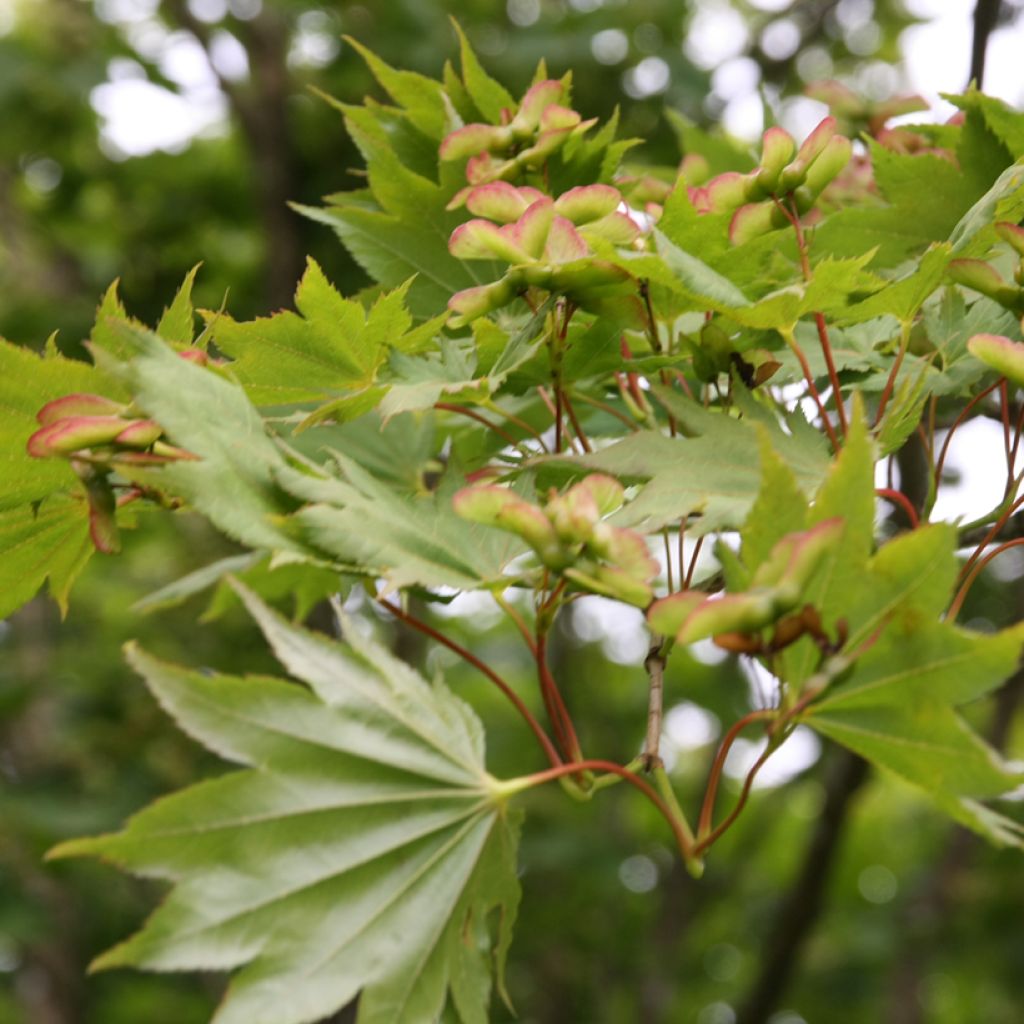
{"x": 408, "y": 539}
{"x": 714, "y": 475}
{"x": 331, "y": 345}
{"x": 361, "y": 849}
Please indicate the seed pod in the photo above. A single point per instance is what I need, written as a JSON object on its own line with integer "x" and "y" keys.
{"x": 534, "y": 104}
{"x": 497, "y": 506}
{"x": 984, "y": 278}
{"x": 139, "y": 434}
{"x": 829, "y": 162}
{"x": 734, "y": 613}
{"x": 475, "y": 138}
{"x": 667, "y": 615}
{"x": 1013, "y": 235}
{"x": 611, "y": 582}
{"x": 79, "y": 404}
{"x": 73, "y": 433}
{"x": 1006, "y": 357}
{"x": 573, "y": 515}
{"x": 586, "y": 203}
{"x": 777, "y": 149}
{"x": 739, "y": 643}
{"x": 792, "y": 561}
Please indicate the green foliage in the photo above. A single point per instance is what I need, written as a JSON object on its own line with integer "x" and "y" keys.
{"x": 365, "y": 808}
{"x": 540, "y": 393}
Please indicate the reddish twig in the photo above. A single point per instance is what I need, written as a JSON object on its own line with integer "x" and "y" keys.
{"x": 961, "y": 596}
{"x": 957, "y": 423}
{"x": 584, "y": 441}
{"x": 708, "y": 807}
{"x": 890, "y": 381}
{"x": 899, "y": 498}
{"x": 572, "y": 768}
{"x": 472, "y": 659}
{"x": 561, "y": 721}
{"x": 1003, "y": 519}
{"x": 473, "y": 415}
{"x": 693, "y": 563}
{"x": 812, "y": 389}
{"x": 610, "y": 409}
{"x": 727, "y": 822}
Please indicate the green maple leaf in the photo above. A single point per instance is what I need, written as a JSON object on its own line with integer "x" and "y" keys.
{"x": 361, "y": 849}
{"x": 330, "y": 346}
{"x": 50, "y": 541}
{"x": 712, "y": 473}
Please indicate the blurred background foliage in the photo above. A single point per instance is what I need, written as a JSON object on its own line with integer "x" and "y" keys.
{"x": 839, "y": 899}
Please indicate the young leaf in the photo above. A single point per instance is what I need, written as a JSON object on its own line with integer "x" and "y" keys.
{"x": 361, "y": 849}
{"x": 331, "y": 345}
{"x": 177, "y": 325}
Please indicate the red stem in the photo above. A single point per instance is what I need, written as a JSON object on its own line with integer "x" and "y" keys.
{"x": 899, "y": 498}
{"x": 958, "y": 601}
{"x": 692, "y": 568}
{"x": 708, "y": 807}
{"x": 560, "y": 718}
{"x": 713, "y": 837}
{"x": 1004, "y": 411}
{"x": 685, "y": 846}
{"x": 481, "y": 666}
{"x": 611, "y": 410}
{"x": 575, "y": 421}
{"x": 952, "y": 430}
{"x": 826, "y": 348}
{"x": 990, "y": 536}
{"x": 473, "y": 415}
{"x": 819, "y": 319}
{"x": 815, "y": 394}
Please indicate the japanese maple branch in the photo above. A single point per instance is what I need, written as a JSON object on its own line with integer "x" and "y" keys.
{"x": 561, "y": 721}
{"x": 708, "y": 807}
{"x": 812, "y": 388}
{"x": 965, "y": 588}
{"x": 680, "y": 829}
{"x": 819, "y": 319}
{"x": 472, "y": 659}
{"x": 654, "y": 664}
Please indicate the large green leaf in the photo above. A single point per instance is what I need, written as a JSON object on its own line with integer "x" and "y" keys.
{"x": 362, "y": 848}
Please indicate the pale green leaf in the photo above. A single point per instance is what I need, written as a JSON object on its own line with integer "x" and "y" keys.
{"x": 232, "y": 480}
{"x": 51, "y": 541}
{"x": 177, "y": 325}
{"x": 490, "y": 97}
{"x": 331, "y": 345}
{"x": 360, "y": 850}
{"x": 925, "y": 743}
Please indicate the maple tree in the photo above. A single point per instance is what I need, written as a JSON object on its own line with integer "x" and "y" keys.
{"x": 573, "y": 366}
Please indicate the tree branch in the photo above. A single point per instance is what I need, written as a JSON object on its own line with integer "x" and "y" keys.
{"x": 802, "y": 905}
{"x": 986, "y": 16}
